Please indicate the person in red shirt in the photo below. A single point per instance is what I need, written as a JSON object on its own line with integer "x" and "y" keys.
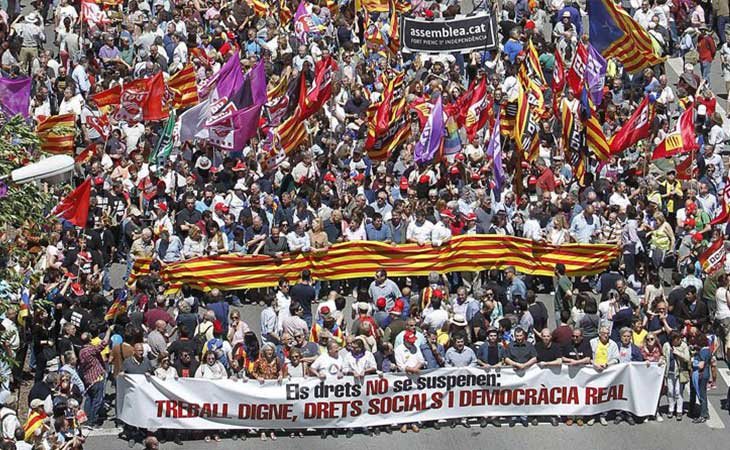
{"x": 546, "y": 179}
{"x": 706, "y": 48}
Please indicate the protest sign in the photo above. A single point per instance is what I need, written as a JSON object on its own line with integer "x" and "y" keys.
{"x": 448, "y": 393}
{"x": 461, "y": 34}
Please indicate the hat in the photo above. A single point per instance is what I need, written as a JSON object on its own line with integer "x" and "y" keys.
{"x": 690, "y": 222}
{"x": 691, "y": 208}
{"x": 217, "y": 326}
{"x": 77, "y": 289}
{"x": 325, "y": 312}
{"x": 220, "y": 206}
{"x": 566, "y": 14}
{"x": 475, "y": 176}
{"x": 285, "y": 165}
{"x": 459, "y": 157}
{"x": 530, "y": 25}
{"x": 239, "y": 167}
{"x": 215, "y": 343}
{"x": 162, "y": 206}
{"x": 409, "y": 337}
{"x": 429, "y": 14}
{"x": 470, "y": 216}
{"x": 424, "y": 179}
{"x": 397, "y": 308}
{"x": 454, "y": 170}
{"x": 459, "y": 320}
{"x": 697, "y": 237}
{"x": 240, "y": 185}
{"x": 381, "y": 302}
{"x": 362, "y": 306}
{"x": 203, "y": 163}
{"x": 445, "y": 213}
{"x": 403, "y": 183}
{"x": 36, "y": 403}
{"x": 32, "y": 17}
{"x": 329, "y": 177}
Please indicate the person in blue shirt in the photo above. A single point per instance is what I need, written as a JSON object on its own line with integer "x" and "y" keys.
{"x": 516, "y": 287}
{"x": 375, "y": 230}
{"x": 701, "y": 363}
{"x": 432, "y": 351}
{"x": 513, "y": 46}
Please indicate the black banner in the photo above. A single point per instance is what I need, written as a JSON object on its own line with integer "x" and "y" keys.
{"x": 462, "y": 34}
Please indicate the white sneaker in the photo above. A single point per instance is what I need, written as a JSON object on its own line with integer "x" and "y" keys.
{"x": 659, "y": 418}
{"x": 591, "y": 422}
{"x": 603, "y": 421}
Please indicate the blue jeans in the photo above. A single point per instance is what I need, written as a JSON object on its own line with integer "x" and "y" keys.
{"x": 705, "y": 67}
{"x": 94, "y": 402}
{"x": 722, "y": 21}
{"x": 702, "y": 397}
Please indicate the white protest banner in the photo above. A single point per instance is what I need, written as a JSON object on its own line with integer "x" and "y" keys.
{"x": 198, "y": 404}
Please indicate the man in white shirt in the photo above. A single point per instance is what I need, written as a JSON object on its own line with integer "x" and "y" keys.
{"x": 619, "y": 197}
{"x": 408, "y": 356}
{"x": 419, "y": 231}
{"x": 434, "y": 317}
{"x": 330, "y": 364}
{"x": 298, "y": 239}
{"x": 532, "y": 229}
{"x": 441, "y": 232}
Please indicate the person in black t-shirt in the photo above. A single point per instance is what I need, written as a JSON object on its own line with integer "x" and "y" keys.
{"x": 303, "y": 292}
{"x": 548, "y": 355}
{"x": 577, "y": 353}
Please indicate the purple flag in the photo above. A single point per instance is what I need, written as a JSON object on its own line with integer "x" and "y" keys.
{"x": 15, "y": 96}
{"x": 595, "y": 74}
{"x": 494, "y": 150}
{"x": 303, "y": 24}
{"x": 258, "y": 83}
{"x": 230, "y": 78}
{"x": 432, "y": 135}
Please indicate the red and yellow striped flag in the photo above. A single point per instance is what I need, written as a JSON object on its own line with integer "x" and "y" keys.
{"x": 291, "y": 133}
{"x": 285, "y": 14}
{"x": 394, "y": 35}
{"x": 57, "y": 134}
{"x": 260, "y": 7}
{"x": 357, "y": 259}
{"x": 184, "y": 88}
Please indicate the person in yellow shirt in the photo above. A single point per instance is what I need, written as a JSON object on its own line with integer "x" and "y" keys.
{"x": 638, "y": 333}
{"x": 605, "y": 353}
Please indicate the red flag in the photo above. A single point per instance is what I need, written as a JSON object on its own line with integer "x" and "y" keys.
{"x": 681, "y": 140}
{"x": 684, "y": 169}
{"x": 724, "y": 214}
{"x": 636, "y": 128}
{"x": 321, "y": 89}
{"x": 86, "y": 155}
{"x": 155, "y": 108}
{"x": 108, "y": 97}
{"x": 575, "y": 73}
{"x": 476, "y": 112}
{"x": 143, "y": 99}
{"x": 558, "y": 83}
{"x": 713, "y": 258}
{"x": 75, "y": 207}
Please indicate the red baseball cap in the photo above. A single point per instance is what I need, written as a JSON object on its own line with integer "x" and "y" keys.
{"x": 329, "y": 177}
{"x": 221, "y": 207}
{"x": 471, "y": 216}
{"x": 446, "y": 213}
{"x": 697, "y": 237}
{"x": 77, "y": 289}
{"x": 424, "y": 179}
{"x": 409, "y": 337}
{"x": 438, "y": 293}
{"x": 690, "y": 222}
{"x": 403, "y": 183}
{"x": 162, "y": 206}
{"x": 381, "y": 302}
{"x": 359, "y": 177}
{"x": 454, "y": 170}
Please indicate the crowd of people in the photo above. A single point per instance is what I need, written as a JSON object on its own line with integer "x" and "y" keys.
{"x": 656, "y": 303}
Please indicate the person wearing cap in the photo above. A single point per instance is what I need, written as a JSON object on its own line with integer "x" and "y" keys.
{"x": 409, "y": 359}
{"x": 441, "y": 232}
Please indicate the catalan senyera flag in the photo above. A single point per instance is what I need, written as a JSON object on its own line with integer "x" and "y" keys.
{"x": 393, "y": 30}
{"x": 615, "y": 34}
{"x": 594, "y": 135}
{"x": 508, "y": 119}
{"x": 291, "y": 133}
{"x": 260, "y": 7}
{"x": 526, "y": 128}
{"x": 466, "y": 253}
{"x": 57, "y": 134}
{"x": 532, "y": 65}
{"x": 108, "y": 97}
{"x": 724, "y": 215}
{"x": 184, "y": 88}
{"x": 118, "y": 306}
{"x": 34, "y": 422}
{"x": 285, "y": 14}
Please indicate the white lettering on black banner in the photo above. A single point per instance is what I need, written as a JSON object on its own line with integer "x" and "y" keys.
{"x": 460, "y": 34}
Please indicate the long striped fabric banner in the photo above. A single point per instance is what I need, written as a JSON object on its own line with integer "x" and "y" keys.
{"x": 362, "y": 258}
